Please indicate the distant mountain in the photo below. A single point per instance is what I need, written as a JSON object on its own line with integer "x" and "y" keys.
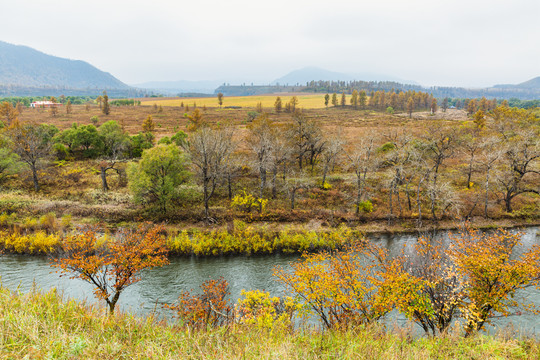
{"x": 530, "y": 84}
{"x": 307, "y": 74}
{"x": 24, "y": 67}
{"x": 182, "y": 86}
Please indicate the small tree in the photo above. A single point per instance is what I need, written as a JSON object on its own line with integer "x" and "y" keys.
{"x": 195, "y": 120}
{"x": 220, "y": 99}
{"x": 155, "y": 178}
{"x": 326, "y": 100}
{"x": 489, "y": 275}
{"x": 148, "y": 124}
{"x": 278, "y": 105}
{"x": 343, "y": 99}
{"x": 410, "y": 106}
{"x": 334, "y": 99}
{"x": 69, "y": 108}
{"x": 105, "y": 108}
{"x": 8, "y": 112}
{"x": 114, "y": 266}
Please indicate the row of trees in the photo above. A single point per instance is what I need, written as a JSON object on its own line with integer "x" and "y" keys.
{"x": 474, "y": 276}
{"x": 499, "y": 150}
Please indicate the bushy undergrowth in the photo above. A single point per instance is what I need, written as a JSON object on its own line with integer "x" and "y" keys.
{"x": 43, "y": 325}
{"x": 243, "y": 240}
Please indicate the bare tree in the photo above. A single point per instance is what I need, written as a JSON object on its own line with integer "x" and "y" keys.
{"x": 331, "y": 153}
{"x": 491, "y": 152}
{"x": 518, "y": 163}
{"x": 306, "y": 139}
{"x": 295, "y": 181}
{"x": 361, "y": 160}
{"x": 439, "y": 145}
{"x": 210, "y": 150}
{"x": 260, "y": 139}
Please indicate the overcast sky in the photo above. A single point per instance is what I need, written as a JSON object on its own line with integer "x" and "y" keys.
{"x": 455, "y": 43}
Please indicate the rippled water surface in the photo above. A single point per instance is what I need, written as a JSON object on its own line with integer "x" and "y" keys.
{"x": 163, "y": 285}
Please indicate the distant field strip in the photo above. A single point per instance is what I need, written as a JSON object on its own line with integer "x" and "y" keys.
{"x": 311, "y": 101}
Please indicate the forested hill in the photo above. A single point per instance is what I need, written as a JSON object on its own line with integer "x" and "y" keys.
{"x": 22, "y": 67}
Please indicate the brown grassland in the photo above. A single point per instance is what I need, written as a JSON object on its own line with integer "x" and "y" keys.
{"x": 81, "y": 198}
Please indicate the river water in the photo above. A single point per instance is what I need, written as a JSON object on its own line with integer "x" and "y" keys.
{"x": 163, "y": 285}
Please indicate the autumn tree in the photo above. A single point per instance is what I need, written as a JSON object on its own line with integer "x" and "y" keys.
{"x": 69, "y": 108}
{"x": 491, "y": 274}
{"x": 148, "y": 124}
{"x": 331, "y": 152}
{"x": 433, "y": 106}
{"x": 32, "y": 143}
{"x": 471, "y": 107}
{"x": 111, "y": 267}
{"x": 259, "y": 107}
{"x": 334, "y": 99}
{"x": 260, "y": 139}
{"x": 361, "y": 159}
{"x": 210, "y": 151}
{"x": 105, "y": 108}
{"x": 8, "y": 112}
{"x": 354, "y": 99}
{"x": 444, "y": 105}
{"x": 220, "y": 99}
{"x": 362, "y": 99}
{"x": 489, "y": 155}
{"x": 423, "y": 287}
{"x": 294, "y": 103}
{"x": 195, "y": 120}
{"x": 278, "y": 105}
{"x": 211, "y": 307}
{"x": 342, "y": 289}
{"x": 410, "y": 106}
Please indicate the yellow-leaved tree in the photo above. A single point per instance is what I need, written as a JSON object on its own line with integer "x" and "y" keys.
{"x": 112, "y": 266}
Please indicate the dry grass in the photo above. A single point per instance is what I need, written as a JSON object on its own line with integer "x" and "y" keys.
{"x": 306, "y": 101}
{"x": 43, "y": 326}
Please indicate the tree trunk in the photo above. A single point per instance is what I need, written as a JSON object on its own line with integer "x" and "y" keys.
{"x": 274, "y": 176}
{"x": 229, "y": 185}
{"x": 293, "y": 193}
{"x": 104, "y": 184}
{"x": 35, "y": 177}
{"x": 487, "y": 195}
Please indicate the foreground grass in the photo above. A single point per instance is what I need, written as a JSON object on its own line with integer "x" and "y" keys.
{"x": 42, "y": 325}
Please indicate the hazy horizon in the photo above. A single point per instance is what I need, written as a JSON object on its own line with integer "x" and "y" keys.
{"x": 462, "y": 43}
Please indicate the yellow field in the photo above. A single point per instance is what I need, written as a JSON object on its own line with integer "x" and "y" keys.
{"x": 308, "y": 101}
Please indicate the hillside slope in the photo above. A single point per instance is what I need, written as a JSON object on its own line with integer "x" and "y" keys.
{"x": 25, "y": 67}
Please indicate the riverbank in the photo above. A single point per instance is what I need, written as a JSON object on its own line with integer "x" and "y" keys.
{"x": 235, "y": 238}
{"x": 43, "y": 325}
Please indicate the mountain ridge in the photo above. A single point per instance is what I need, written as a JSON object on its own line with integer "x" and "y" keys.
{"x": 23, "y": 66}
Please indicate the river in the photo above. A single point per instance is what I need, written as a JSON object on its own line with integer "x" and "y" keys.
{"x": 163, "y": 285}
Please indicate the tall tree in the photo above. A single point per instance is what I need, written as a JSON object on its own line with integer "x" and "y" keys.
{"x": 32, "y": 143}
{"x": 210, "y": 150}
